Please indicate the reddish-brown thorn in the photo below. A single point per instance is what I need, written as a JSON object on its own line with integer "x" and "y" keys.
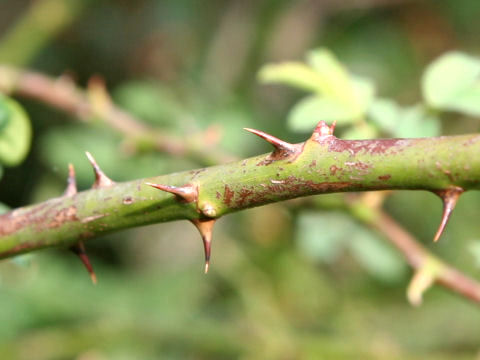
{"x": 79, "y": 250}
{"x": 322, "y": 129}
{"x": 449, "y": 197}
{"x": 205, "y": 227}
{"x": 187, "y": 193}
{"x": 101, "y": 180}
{"x": 71, "y": 182}
{"x": 279, "y": 145}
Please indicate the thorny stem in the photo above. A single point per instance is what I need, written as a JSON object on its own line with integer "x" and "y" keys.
{"x": 322, "y": 164}
{"x": 95, "y": 102}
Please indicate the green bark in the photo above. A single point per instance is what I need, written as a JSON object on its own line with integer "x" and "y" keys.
{"x": 323, "y": 164}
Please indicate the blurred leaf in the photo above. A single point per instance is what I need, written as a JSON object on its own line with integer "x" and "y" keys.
{"x": 322, "y": 236}
{"x": 150, "y": 102}
{"x": 309, "y": 111}
{"x": 385, "y": 113}
{"x": 354, "y": 91}
{"x": 68, "y": 144}
{"x": 452, "y": 82}
{"x": 294, "y": 74}
{"x": 4, "y": 115}
{"x": 338, "y": 95}
{"x": 378, "y": 259}
{"x": 413, "y": 121}
{"x": 416, "y": 121}
{"x": 474, "y": 248}
{"x": 363, "y": 130}
{"x": 15, "y": 132}
{"x": 335, "y": 77}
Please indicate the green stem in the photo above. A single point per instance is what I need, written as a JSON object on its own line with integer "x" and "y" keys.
{"x": 323, "y": 164}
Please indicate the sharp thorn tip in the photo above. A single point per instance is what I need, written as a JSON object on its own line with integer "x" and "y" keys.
{"x": 187, "y": 192}
{"x": 279, "y": 145}
{"x": 101, "y": 180}
{"x": 79, "y": 250}
{"x": 449, "y": 198}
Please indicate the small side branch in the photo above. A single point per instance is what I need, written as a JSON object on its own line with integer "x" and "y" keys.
{"x": 64, "y": 95}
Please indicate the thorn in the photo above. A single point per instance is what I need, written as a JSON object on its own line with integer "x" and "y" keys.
{"x": 79, "y": 250}
{"x": 71, "y": 182}
{"x": 280, "y": 145}
{"x": 101, "y": 180}
{"x": 205, "y": 227}
{"x": 322, "y": 129}
{"x": 449, "y": 197}
{"x": 187, "y": 193}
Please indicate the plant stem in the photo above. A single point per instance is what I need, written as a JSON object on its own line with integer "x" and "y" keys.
{"x": 323, "y": 164}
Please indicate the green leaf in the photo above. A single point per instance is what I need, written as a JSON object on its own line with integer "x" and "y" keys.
{"x": 150, "y": 102}
{"x": 322, "y": 236}
{"x": 364, "y": 93}
{"x": 359, "y": 132}
{"x": 413, "y": 121}
{"x": 294, "y": 74}
{"x": 452, "y": 82}
{"x": 15, "y": 132}
{"x": 474, "y": 248}
{"x": 385, "y": 113}
{"x": 309, "y": 111}
{"x": 338, "y": 95}
{"x": 416, "y": 121}
{"x": 4, "y": 115}
{"x": 378, "y": 259}
{"x": 335, "y": 77}
{"x": 67, "y": 144}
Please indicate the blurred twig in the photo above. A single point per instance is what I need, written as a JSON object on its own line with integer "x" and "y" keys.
{"x": 63, "y": 94}
{"x": 42, "y": 21}
{"x": 426, "y": 265}
{"x": 418, "y": 256}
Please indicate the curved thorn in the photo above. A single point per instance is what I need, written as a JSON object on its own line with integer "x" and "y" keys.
{"x": 449, "y": 197}
{"x": 188, "y": 192}
{"x": 279, "y": 145}
{"x": 205, "y": 227}
{"x": 79, "y": 250}
{"x": 71, "y": 182}
{"x": 101, "y": 180}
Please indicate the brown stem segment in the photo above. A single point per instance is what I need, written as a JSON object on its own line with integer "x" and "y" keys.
{"x": 416, "y": 255}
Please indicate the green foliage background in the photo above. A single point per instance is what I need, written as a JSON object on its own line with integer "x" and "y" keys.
{"x": 285, "y": 282}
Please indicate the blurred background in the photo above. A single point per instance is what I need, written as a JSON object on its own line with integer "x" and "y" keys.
{"x": 303, "y": 280}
